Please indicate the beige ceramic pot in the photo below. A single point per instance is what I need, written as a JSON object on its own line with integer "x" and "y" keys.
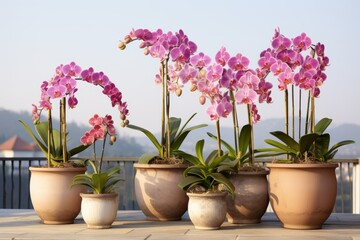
{"x": 99, "y": 210}
{"x": 207, "y": 211}
{"x": 251, "y": 197}
{"x": 302, "y": 195}
{"x": 51, "y": 196}
{"x": 157, "y": 192}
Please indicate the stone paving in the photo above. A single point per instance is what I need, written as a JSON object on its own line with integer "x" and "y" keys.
{"x": 24, "y": 224}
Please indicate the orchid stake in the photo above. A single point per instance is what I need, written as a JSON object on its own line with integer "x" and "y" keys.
{"x": 63, "y": 128}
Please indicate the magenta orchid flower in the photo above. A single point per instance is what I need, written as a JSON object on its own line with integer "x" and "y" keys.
{"x": 239, "y": 62}
{"x": 222, "y": 56}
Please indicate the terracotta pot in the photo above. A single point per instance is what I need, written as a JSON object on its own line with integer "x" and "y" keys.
{"x": 251, "y": 197}
{"x": 302, "y": 195}
{"x": 207, "y": 211}
{"x": 52, "y": 198}
{"x": 157, "y": 192}
{"x": 99, "y": 210}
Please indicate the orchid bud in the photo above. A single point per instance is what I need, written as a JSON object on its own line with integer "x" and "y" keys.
{"x": 126, "y": 122}
{"x": 121, "y": 45}
{"x": 112, "y": 139}
{"x": 193, "y": 88}
{"x": 122, "y": 124}
{"x": 122, "y": 116}
{"x": 146, "y": 51}
{"x": 142, "y": 45}
{"x": 127, "y": 39}
{"x": 178, "y": 92}
{"x": 202, "y": 100}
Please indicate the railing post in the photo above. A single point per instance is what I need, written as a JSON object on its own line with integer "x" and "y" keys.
{"x": 356, "y": 187}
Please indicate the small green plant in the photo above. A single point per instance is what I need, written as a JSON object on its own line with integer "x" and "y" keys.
{"x": 205, "y": 174}
{"x": 310, "y": 147}
{"x": 99, "y": 182}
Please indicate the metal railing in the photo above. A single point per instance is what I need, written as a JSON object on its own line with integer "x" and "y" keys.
{"x": 15, "y": 177}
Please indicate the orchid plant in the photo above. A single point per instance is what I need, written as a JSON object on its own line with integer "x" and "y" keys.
{"x": 174, "y": 51}
{"x": 98, "y": 181}
{"x": 298, "y": 63}
{"x": 63, "y": 87}
{"x": 227, "y": 83}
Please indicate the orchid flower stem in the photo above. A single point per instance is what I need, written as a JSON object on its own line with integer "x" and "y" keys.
{"x": 292, "y": 111}
{"x": 63, "y": 127}
{"x": 287, "y": 116}
{"x": 167, "y": 101}
{"x": 251, "y": 143}
{"x": 94, "y": 150}
{"x": 102, "y": 153}
{"x": 50, "y": 137}
{"x": 307, "y": 115}
{"x": 300, "y": 93}
{"x": 162, "y": 153}
{"x": 235, "y": 123}
{"x": 286, "y": 112}
{"x": 218, "y": 137}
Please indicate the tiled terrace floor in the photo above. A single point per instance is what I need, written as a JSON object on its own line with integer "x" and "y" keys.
{"x": 24, "y": 224}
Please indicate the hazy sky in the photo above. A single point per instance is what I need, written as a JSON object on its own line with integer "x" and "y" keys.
{"x": 37, "y": 36}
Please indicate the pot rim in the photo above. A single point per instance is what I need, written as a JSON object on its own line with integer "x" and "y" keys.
{"x": 56, "y": 169}
{"x": 302, "y": 165}
{"x": 207, "y": 194}
{"x": 265, "y": 172}
{"x": 163, "y": 166}
{"x": 102, "y": 195}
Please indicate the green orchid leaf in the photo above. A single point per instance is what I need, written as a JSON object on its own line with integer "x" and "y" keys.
{"x": 322, "y": 125}
{"x": 113, "y": 171}
{"x": 281, "y": 146}
{"x": 333, "y": 150}
{"x": 189, "y": 181}
{"x": 289, "y": 141}
{"x": 38, "y": 142}
{"x": 321, "y": 146}
{"x": 150, "y": 136}
{"x": 216, "y": 161}
{"x": 306, "y": 141}
{"x": 199, "y": 151}
{"x": 244, "y": 139}
{"x": 77, "y": 150}
{"x": 174, "y": 127}
{"x": 221, "y": 179}
{"x": 211, "y": 157}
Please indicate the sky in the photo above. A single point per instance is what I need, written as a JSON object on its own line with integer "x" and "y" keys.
{"x": 38, "y": 35}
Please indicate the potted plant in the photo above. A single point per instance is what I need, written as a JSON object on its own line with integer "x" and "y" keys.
{"x": 53, "y": 200}
{"x": 159, "y": 173}
{"x": 302, "y": 186}
{"x": 205, "y": 185}
{"x": 226, "y": 84}
{"x": 100, "y": 204}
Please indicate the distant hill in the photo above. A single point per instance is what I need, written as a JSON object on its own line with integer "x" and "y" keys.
{"x": 11, "y": 126}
